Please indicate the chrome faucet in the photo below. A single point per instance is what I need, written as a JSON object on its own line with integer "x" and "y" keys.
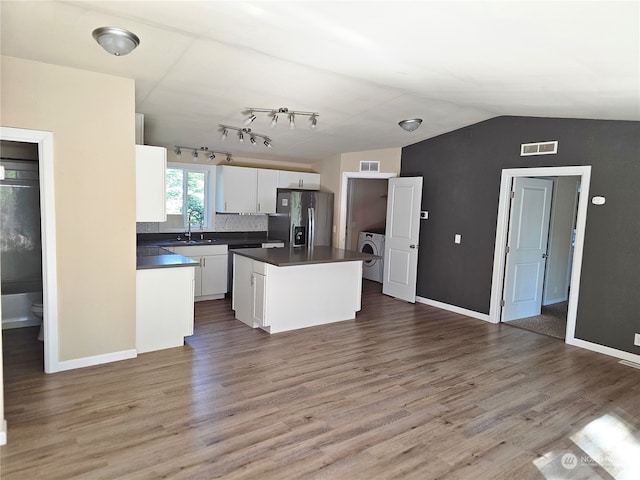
{"x": 188, "y": 234}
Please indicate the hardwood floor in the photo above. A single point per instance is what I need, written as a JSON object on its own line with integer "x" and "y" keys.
{"x": 405, "y": 391}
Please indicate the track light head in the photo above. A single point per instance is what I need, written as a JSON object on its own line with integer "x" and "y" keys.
{"x": 195, "y": 155}
{"x": 267, "y": 143}
{"x": 274, "y": 120}
{"x": 251, "y": 118}
{"x": 252, "y": 139}
{"x": 292, "y": 121}
{"x": 240, "y": 137}
{"x": 212, "y": 156}
{"x": 314, "y": 121}
{"x": 178, "y": 152}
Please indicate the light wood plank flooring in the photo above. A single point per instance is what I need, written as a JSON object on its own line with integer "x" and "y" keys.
{"x": 405, "y": 391}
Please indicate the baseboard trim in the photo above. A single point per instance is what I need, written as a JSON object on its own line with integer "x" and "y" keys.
{"x": 595, "y": 347}
{"x": 553, "y": 301}
{"x": 3, "y": 432}
{"x": 96, "y": 360}
{"x": 453, "y": 308}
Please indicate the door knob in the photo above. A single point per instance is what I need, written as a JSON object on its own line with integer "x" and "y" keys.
{"x": 544, "y": 255}
{"x": 414, "y": 246}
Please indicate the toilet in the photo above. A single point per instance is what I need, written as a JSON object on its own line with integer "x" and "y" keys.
{"x": 38, "y": 311}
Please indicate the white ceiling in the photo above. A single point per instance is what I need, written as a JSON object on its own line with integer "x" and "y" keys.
{"x": 363, "y": 65}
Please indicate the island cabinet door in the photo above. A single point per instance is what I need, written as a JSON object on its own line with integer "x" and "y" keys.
{"x": 242, "y": 299}
{"x": 259, "y": 300}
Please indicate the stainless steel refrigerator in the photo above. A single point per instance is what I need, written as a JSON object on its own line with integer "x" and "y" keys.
{"x": 304, "y": 218}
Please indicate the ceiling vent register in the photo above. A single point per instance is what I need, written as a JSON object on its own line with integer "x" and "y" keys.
{"x": 369, "y": 166}
{"x": 539, "y": 148}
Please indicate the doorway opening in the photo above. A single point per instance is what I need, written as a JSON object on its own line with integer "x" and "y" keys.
{"x": 21, "y": 247}
{"x": 363, "y": 211}
{"x": 546, "y": 313}
{"x": 572, "y": 256}
{"x": 44, "y": 144}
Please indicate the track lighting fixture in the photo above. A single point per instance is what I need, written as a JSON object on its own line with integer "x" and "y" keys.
{"x": 210, "y": 154}
{"x": 290, "y": 114}
{"x": 245, "y": 131}
{"x": 225, "y": 132}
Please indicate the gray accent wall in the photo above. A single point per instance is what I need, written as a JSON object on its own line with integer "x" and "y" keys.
{"x": 461, "y": 171}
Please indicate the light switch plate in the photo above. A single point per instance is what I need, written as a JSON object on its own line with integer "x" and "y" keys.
{"x": 636, "y": 340}
{"x": 457, "y": 238}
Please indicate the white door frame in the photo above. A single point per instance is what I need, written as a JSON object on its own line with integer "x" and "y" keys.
{"x": 584, "y": 172}
{"x": 342, "y": 228}
{"x": 48, "y": 234}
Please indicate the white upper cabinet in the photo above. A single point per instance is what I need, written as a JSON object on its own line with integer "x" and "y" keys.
{"x": 254, "y": 190}
{"x": 151, "y": 166}
{"x": 300, "y": 180}
{"x": 267, "y": 190}
{"x": 236, "y": 189}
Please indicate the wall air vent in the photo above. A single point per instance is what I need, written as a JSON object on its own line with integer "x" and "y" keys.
{"x": 369, "y": 166}
{"x": 539, "y": 148}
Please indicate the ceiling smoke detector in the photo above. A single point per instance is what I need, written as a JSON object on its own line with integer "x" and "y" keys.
{"x": 411, "y": 124}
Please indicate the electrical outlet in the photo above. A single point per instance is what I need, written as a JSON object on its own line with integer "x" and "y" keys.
{"x": 636, "y": 340}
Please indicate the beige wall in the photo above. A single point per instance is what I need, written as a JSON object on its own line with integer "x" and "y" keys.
{"x": 91, "y": 116}
{"x": 332, "y": 169}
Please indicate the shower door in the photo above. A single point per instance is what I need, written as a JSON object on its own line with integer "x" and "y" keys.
{"x": 20, "y": 240}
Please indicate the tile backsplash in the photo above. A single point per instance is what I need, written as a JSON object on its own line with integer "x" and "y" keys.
{"x": 222, "y": 223}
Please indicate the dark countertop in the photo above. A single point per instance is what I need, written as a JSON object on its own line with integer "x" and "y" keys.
{"x": 231, "y": 242}
{"x": 286, "y": 257}
{"x": 156, "y": 257}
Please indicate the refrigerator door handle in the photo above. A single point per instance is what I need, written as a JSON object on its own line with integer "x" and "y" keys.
{"x": 312, "y": 219}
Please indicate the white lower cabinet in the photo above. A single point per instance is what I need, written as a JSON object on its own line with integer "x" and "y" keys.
{"x": 164, "y": 307}
{"x": 211, "y": 274}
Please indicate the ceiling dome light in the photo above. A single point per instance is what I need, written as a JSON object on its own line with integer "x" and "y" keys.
{"x": 411, "y": 124}
{"x": 116, "y": 41}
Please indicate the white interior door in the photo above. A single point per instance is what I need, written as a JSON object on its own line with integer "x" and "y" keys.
{"x": 401, "y": 241}
{"x": 526, "y": 247}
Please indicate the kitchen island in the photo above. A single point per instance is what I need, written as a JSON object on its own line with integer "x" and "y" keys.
{"x": 285, "y": 289}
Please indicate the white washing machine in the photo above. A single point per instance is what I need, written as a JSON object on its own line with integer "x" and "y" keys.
{"x": 371, "y": 242}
